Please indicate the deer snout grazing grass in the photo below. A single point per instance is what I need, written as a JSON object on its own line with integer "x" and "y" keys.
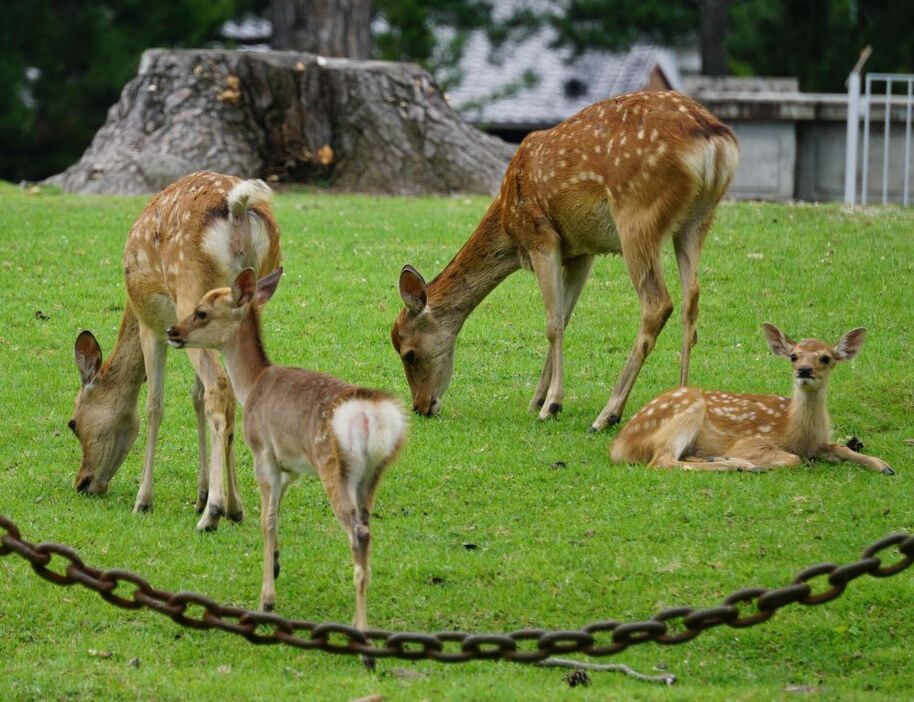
{"x": 695, "y": 429}
{"x": 298, "y": 421}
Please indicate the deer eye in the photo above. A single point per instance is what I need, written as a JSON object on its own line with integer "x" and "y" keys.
{"x": 825, "y": 360}
{"x": 409, "y": 358}
{"x": 200, "y": 315}
{"x": 793, "y": 358}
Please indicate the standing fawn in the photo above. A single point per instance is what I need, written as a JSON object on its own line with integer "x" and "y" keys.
{"x": 297, "y": 420}
{"x": 698, "y": 430}
{"x": 621, "y": 176}
{"x": 197, "y": 234}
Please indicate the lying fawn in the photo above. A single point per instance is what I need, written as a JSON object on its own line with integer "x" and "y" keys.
{"x": 698, "y": 430}
{"x": 195, "y": 235}
{"x": 297, "y": 420}
{"x": 620, "y": 177}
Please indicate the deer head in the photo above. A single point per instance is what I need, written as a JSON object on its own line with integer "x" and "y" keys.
{"x": 425, "y": 345}
{"x": 217, "y": 316}
{"x": 105, "y": 426}
{"x": 813, "y": 360}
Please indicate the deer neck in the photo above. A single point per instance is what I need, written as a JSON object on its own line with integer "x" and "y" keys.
{"x": 125, "y": 368}
{"x": 808, "y": 423}
{"x": 486, "y": 259}
{"x": 245, "y": 357}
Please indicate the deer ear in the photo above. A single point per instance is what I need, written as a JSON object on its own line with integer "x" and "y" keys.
{"x": 413, "y": 290}
{"x": 266, "y": 286}
{"x": 88, "y": 356}
{"x": 849, "y": 345}
{"x": 244, "y": 287}
{"x": 779, "y": 343}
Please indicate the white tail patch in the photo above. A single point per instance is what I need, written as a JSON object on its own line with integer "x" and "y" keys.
{"x": 230, "y": 244}
{"x": 247, "y": 194}
{"x": 368, "y": 431}
{"x": 714, "y": 161}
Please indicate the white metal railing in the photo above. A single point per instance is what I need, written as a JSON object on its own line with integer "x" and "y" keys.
{"x": 896, "y": 102}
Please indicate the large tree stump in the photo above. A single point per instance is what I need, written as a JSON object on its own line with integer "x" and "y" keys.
{"x": 359, "y": 125}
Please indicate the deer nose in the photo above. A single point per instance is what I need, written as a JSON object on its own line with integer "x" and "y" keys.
{"x": 83, "y": 484}
{"x": 804, "y": 372}
{"x": 171, "y": 331}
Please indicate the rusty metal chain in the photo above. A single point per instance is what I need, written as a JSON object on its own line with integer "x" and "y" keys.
{"x": 130, "y": 591}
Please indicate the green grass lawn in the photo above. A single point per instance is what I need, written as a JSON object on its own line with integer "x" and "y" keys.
{"x": 557, "y": 548}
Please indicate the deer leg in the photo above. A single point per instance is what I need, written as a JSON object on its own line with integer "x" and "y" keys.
{"x": 233, "y": 507}
{"x": 287, "y": 480}
{"x": 272, "y": 487}
{"x": 154, "y": 350}
{"x": 353, "y": 518}
{"x": 762, "y": 453}
{"x": 665, "y": 459}
{"x": 837, "y": 452}
{"x": 196, "y": 394}
{"x": 359, "y": 533}
{"x": 574, "y": 275}
{"x": 547, "y": 266}
{"x": 687, "y": 243}
{"x": 216, "y": 389}
{"x": 656, "y": 308}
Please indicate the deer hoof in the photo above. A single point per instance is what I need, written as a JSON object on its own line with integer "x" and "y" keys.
{"x": 369, "y": 662}
{"x": 592, "y": 430}
{"x": 555, "y": 408}
{"x": 146, "y": 507}
{"x": 210, "y": 519}
{"x": 236, "y": 516}
{"x": 888, "y": 471}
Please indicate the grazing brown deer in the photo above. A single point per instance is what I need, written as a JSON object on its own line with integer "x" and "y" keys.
{"x": 621, "y": 176}
{"x": 695, "y": 429}
{"x": 195, "y": 235}
{"x": 298, "y": 421}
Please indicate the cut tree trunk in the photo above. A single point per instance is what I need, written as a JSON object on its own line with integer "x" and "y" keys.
{"x": 285, "y": 116}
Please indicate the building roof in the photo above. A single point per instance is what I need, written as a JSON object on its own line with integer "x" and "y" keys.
{"x": 529, "y": 83}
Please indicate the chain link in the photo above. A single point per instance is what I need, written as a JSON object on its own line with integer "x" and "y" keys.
{"x": 128, "y": 590}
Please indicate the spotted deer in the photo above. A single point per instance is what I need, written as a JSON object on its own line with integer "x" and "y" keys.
{"x": 298, "y": 421}
{"x": 197, "y": 234}
{"x": 695, "y": 429}
{"x": 621, "y": 176}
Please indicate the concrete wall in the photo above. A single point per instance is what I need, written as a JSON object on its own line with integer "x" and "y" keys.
{"x": 767, "y": 156}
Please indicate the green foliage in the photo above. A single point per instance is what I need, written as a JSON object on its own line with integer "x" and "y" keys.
{"x": 818, "y": 41}
{"x": 557, "y": 547}
{"x": 617, "y": 24}
{"x": 410, "y": 23}
{"x": 85, "y": 52}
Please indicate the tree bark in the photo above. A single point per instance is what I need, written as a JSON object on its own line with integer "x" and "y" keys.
{"x": 337, "y": 28}
{"x": 358, "y": 125}
{"x": 714, "y": 26}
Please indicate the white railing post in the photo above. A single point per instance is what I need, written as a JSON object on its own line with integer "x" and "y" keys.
{"x": 853, "y": 131}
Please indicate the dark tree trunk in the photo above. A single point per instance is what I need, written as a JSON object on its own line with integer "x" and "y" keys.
{"x": 284, "y": 116}
{"x": 714, "y": 16}
{"x": 340, "y": 28}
